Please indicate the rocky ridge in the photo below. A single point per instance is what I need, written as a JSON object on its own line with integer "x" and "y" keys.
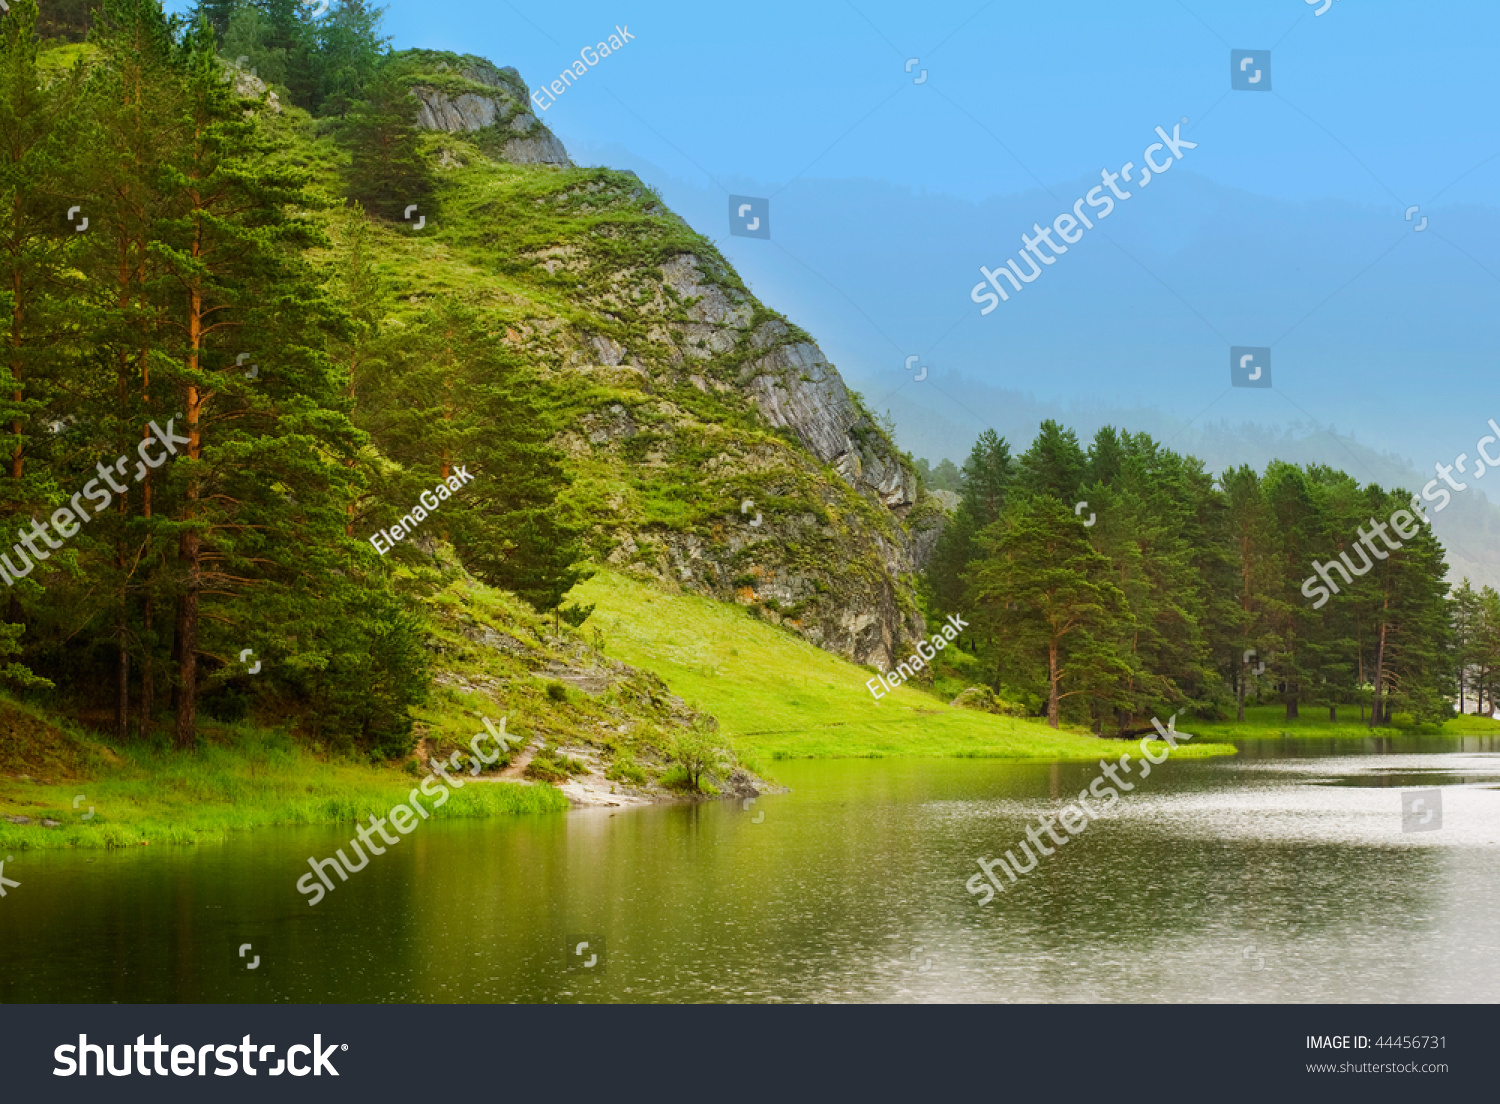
{"x": 713, "y": 446}
{"x": 472, "y": 97}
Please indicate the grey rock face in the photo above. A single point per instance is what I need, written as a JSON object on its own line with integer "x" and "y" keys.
{"x": 467, "y": 112}
{"x": 543, "y": 149}
{"x": 793, "y": 384}
{"x": 501, "y": 108}
{"x": 840, "y": 577}
{"x": 796, "y": 387}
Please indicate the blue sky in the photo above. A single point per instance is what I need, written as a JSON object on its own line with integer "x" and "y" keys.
{"x": 1283, "y": 228}
{"x": 775, "y": 89}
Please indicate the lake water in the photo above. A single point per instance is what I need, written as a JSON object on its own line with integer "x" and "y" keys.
{"x": 1281, "y": 874}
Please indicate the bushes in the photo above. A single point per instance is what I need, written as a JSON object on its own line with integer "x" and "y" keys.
{"x": 551, "y": 765}
{"x": 982, "y": 697}
{"x": 695, "y": 752}
{"x": 626, "y": 769}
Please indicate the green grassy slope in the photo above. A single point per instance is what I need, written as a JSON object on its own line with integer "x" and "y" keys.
{"x": 243, "y": 777}
{"x": 777, "y": 696}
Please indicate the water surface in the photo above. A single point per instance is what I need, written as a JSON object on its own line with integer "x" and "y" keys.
{"x": 1282, "y": 874}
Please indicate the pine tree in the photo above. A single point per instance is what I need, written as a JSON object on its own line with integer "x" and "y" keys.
{"x": 387, "y": 172}
{"x": 1295, "y": 533}
{"x": 248, "y": 41}
{"x": 1487, "y": 648}
{"x": 1464, "y": 626}
{"x": 292, "y": 34}
{"x": 454, "y": 397}
{"x": 1247, "y": 537}
{"x": 1049, "y": 592}
{"x": 218, "y": 13}
{"x": 1054, "y": 464}
{"x": 1145, "y": 507}
{"x": 350, "y": 52}
{"x": 132, "y": 125}
{"x": 1412, "y": 672}
{"x": 984, "y": 483}
{"x": 264, "y": 468}
{"x": 37, "y": 118}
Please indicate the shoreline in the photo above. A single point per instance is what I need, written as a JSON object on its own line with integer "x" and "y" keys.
{"x": 160, "y": 798}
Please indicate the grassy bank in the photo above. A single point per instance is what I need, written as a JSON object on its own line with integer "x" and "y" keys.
{"x": 1270, "y": 722}
{"x": 244, "y": 778}
{"x": 777, "y": 696}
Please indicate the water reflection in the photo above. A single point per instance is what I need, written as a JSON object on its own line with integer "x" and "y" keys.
{"x": 1280, "y": 875}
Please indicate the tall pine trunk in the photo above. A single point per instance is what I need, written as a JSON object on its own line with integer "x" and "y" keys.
{"x": 191, "y": 547}
{"x": 15, "y": 615}
{"x": 187, "y": 644}
{"x": 1377, "y": 709}
{"x": 122, "y": 558}
{"x": 1052, "y": 699}
{"x": 148, "y": 680}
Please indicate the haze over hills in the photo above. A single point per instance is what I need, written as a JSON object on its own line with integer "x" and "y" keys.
{"x": 1373, "y": 326}
{"x": 1386, "y": 330}
{"x": 935, "y": 426}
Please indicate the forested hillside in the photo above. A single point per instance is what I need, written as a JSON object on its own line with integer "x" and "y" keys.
{"x": 287, "y": 314}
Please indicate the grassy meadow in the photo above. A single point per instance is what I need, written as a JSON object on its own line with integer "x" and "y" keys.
{"x": 778, "y": 697}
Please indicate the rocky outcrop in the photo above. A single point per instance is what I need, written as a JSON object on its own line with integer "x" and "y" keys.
{"x": 791, "y": 383}
{"x": 837, "y": 573}
{"x": 796, "y": 387}
{"x": 476, "y": 98}
{"x": 712, "y": 446}
{"x": 248, "y": 85}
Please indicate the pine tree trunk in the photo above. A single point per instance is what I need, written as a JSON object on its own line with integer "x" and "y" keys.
{"x": 122, "y": 625}
{"x": 148, "y": 683}
{"x": 1052, "y": 710}
{"x": 15, "y": 616}
{"x": 176, "y": 655}
{"x": 17, "y": 459}
{"x": 122, "y": 681}
{"x": 187, "y": 643}
{"x": 1359, "y": 658}
{"x": 191, "y": 547}
{"x": 1377, "y": 709}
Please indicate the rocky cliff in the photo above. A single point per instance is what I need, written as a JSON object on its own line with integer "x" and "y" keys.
{"x": 470, "y": 96}
{"x": 712, "y": 445}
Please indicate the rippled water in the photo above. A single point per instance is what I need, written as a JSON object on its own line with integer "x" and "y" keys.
{"x": 1282, "y": 874}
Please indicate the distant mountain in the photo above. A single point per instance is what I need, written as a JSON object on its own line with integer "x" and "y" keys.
{"x": 1383, "y": 331}
{"x": 1469, "y": 527}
